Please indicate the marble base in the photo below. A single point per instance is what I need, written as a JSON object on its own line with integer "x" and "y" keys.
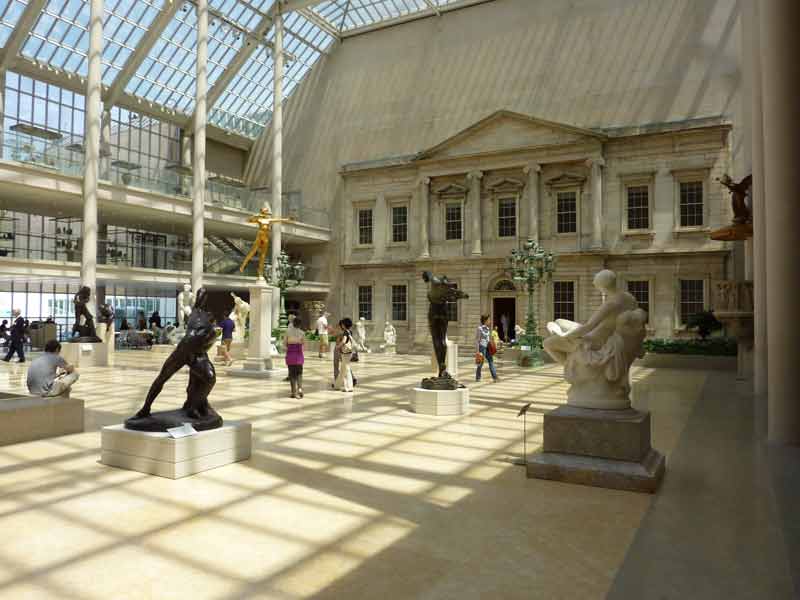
{"x": 603, "y": 448}
{"x": 258, "y": 369}
{"x": 26, "y": 418}
{"x": 87, "y": 354}
{"x": 159, "y": 454}
{"x": 440, "y": 402}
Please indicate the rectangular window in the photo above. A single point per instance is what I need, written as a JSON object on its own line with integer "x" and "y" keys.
{"x": 692, "y": 298}
{"x": 365, "y": 226}
{"x": 507, "y": 217}
{"x": 567, "y": 212}
{"x": 452, "y": 308}
{"x": 564, "y": 300}
{"x": 638, "y": 207}
{"x": 691, "y": 203}
{"x": 399, "y": 303}
{"x": 365, "y": 302}
{"x": 452, "y": 221}
{"x": 641, "y": 291}
{"x": 399, "y": 223}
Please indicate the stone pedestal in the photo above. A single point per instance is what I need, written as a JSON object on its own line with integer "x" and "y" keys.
{"x": 259, "y": 363}
{"x": 603, "y": 448}
{"x": 740, "y": 325}
{"x": 158, "y": 453}
{"x": 84, "y": 354}
{"x": 451, "y": 360}
{"x": 104, "y": 352}
{"x": 26, "y": 418}
{"x": 440, "y": 402}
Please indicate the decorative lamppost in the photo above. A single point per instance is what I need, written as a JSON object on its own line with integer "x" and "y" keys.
{"x": 288, "y": 275}
{"x": 531, "y": 265}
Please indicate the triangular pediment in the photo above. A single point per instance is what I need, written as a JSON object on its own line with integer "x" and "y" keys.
{"x": 451, "y": 189}
{"x": 508, "y": 131}
{"x": 566, "y": 180}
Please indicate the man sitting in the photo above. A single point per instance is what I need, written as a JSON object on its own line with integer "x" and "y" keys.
{"x": 44, "y": 378}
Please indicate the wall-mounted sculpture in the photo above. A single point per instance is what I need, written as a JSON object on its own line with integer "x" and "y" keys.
{"x": 191, "y": 351}
{"x": 440, "y": 292}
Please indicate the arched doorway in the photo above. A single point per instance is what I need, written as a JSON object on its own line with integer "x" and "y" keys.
{"x": 504, "y": 308}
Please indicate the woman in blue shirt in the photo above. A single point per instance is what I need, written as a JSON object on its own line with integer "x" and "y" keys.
{"x": 483, "y": 336}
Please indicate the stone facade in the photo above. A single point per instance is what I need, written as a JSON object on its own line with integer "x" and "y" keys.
{"x": 596, "y": 198}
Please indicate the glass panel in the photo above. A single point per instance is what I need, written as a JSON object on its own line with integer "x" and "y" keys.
{"x": 638, "y": 209}
{"x": 365, "y": 226}
{"x": 507, "y": 217}
{"x": 692, "y": 298}
{"x": 453, "y": 228}
{"x": 691, "y": 203}
{"x": 641, "y": 291}
{"x": 564, "y": 300}
{"x": 10, "y": 12}
{"x": 399, "y": 223}
{"x": 567, "y": 212}
{"x": 365, "y": 302}
{"x": 399, "y": 303}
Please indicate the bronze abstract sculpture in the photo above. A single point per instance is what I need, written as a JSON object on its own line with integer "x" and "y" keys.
{"x": 86, "y": 332}
{"x": 191, "y": 351}
{"x": 440, "y": 292}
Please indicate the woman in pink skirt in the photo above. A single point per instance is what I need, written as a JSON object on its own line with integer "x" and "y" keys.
{"x": 295, "y": 338}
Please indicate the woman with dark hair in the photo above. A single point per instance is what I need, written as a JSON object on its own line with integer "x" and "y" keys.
{"x": 295, "y": 339}
{"x": 483, "y": 340}
{"x": 345, "y": 346}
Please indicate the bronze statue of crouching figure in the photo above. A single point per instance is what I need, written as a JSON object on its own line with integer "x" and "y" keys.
{"x": 191, "y": 351}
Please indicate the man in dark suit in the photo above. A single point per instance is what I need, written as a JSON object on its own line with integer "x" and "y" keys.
{"x": 17, "y": 337}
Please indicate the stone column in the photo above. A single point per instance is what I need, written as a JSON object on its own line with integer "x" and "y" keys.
{"x": 474, "y": 179}
{"x": 780, "y": 75}
{"x": 760, "y": 350}
{"x": 259, "y": 347}
{"x": 425, "y": 217}
{"x": 533, "y": 171}
{"x": 92, "y": 151}
{"x": 186, "y": 149}
{"x": 277, "y": 139}
{"x": 596, "y": 165}
{"x": 199, "y": 162}
{"x": 3, "y": 153}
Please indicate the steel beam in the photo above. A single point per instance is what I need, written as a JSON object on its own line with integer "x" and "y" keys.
{"x": 20, "y": 33}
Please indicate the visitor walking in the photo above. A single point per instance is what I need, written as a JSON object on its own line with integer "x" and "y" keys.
{"x": 227, "y": 326}
{"x": 16, "y": 337}
{"x": 345, "y": 345}
{"x": 155, "y": 319}
{"x": 50, "y": 374}
{"x": 295, "y": 341}
{"x": 322, "y": 332}
{"x": 4, "y": 330}
{"x": 483, "y": 342}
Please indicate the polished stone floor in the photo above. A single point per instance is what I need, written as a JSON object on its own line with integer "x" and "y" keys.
{"x": 345, "y": 496}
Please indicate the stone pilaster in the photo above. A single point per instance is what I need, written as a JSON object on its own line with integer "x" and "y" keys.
{"x": 424, "y": 206}
{"x": 474, "y": 180}
{"x": 596, "y": 165}
{"x": 533, "y": 171}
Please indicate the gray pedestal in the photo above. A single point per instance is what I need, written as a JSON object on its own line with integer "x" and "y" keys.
{"x": 603, "y": 448}
{"x": 26, "y": 418}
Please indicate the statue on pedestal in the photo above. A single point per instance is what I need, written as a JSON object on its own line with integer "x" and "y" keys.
{"x": 597, "y": 355}
{"x": 361, "y": 335}
{"x": 389, "y": 335}
{"x": 264, "y": 220}
{"x": 440, "y": 292}
{"x": 191, "y": 351}
{"x": 85, "y": 331}
{"x": 739, "y": 193}
{"x": 186, "y": 300}
{"x": 239, "y": 314}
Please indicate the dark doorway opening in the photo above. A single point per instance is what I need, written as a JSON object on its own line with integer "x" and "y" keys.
{"x": 504, "y": 307}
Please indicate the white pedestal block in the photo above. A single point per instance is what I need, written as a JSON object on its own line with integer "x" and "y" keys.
{"x": 104, "y": 352}
{"x": 259, "y": 363}
{"x": 257, "y": 369}
{"x": 451, "y": 360}
{"x": 440, "y": 402}
{"x": 157, "y": 453}
{"x": 26, "y": 418}
{"x": 71, "y": 353}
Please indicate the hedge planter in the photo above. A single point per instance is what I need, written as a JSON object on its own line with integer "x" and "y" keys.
{"x": 688, "y": 361}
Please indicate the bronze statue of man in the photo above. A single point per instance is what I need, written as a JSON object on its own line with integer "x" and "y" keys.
{"x": 440, "y": 292}
{"x": 742, "y": 214}
{"x": 85, "y": 332}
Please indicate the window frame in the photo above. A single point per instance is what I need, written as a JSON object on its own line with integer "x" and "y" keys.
{"x": 390, "y": 234}
{"x": 687, "y": 176}
{"x": 357, "y": 209}
{"x": 366, "y": 285}
{"x": 679, "y": 324}
{"x": 629, "y": 180}
{"x": 446, "y": 201}
{"x": 575, "y": 299}
{"x": 566, "y": 190}
{"x": 500, "y": 198}
{"x": 391, "y": 285}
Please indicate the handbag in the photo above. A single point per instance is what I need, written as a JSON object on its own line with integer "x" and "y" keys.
{"x": 492, "y": 348}
{"x": 479, "y": 358}
{"x": 354, "y": 357}
{"x": 347, "y": 345}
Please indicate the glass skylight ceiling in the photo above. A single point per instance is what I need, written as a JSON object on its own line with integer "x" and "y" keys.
{"x": 166, "y": 75}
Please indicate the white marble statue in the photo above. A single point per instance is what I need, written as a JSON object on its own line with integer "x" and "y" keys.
{"x": 185, "y": 304}
{"x": 389, "y": 335}
{"x": 241, "y": 310}
{"x": 361, "y": 335}
{"x": 518, "y": 332}
{"x": 597, "y": 355}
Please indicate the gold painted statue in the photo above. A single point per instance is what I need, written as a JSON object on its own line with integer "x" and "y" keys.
{"x": 264, "y": 220}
